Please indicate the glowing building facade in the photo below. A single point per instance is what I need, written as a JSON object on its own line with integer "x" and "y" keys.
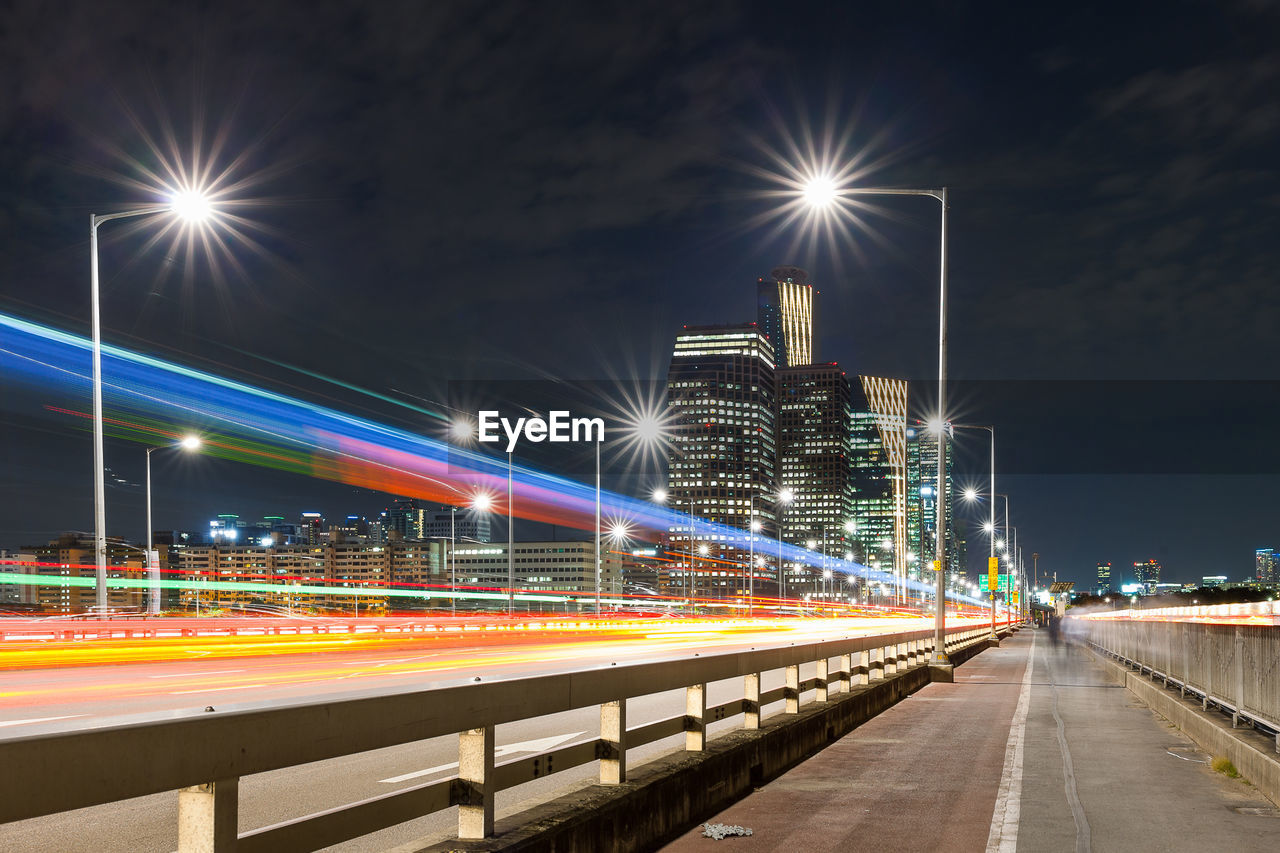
{"x": 1148, "y": 574}
{"x": 1104, "y": 578}
{"x": 814, "y": 450}
{"x": 721, "y": 395}
{"x": 1264, "y": 565}
{"x": 785, "y": 313}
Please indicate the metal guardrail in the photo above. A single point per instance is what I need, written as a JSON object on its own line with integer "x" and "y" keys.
{"x": 1235, "y": 668}
{"x": 203, "y": 755}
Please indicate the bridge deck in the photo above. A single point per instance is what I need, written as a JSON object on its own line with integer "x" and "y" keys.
{"x": 1056, "y": 756}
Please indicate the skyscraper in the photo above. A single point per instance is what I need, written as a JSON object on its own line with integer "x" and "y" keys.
{"x": 784, "y": 312}
{"x": 879, "y": 443}
{"x": 1264, "y": 570}
{"x": 1147, "y": 574}
{"x": 925, "y": 480}
{"x": 721, "y": 391}
{"x": 1104, "y": 578}
{"x": 814, "y": 449}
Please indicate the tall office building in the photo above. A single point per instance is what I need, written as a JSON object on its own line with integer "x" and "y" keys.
{"x": 925, "y": 480}
{"x": 1264, "y": 567}
{"x": 784, "y": 312}
{"x": 1147, "y": 573}
{"x": 1104, "y": 578}
{"x": 721, "y": 392}
{"x": 814, "y": 451}
{"x": 880, "y": 473}
{"x": 405, "y": 519}
{"x": 465, "y": 524}
{"x": 311, "y": 528}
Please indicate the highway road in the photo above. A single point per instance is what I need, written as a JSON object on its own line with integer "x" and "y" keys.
{"x": 62, "y": 698}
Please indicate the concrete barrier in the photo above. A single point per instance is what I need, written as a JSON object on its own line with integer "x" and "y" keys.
{"x": 663, "y": 798}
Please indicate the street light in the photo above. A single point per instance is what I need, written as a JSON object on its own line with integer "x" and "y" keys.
{"x": 619, "y": 535}
{"x": 660, "y": 496}
{"x": 822, "y": 192}
{"x": 188, "y": 443}
{"x": 191, "y": 206}
{"x": 972, "y": 494}
{"x": 481, "y": 503}
{"x": 785, "y": 498}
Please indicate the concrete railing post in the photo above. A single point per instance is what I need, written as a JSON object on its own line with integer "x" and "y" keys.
{"x": 890, "y": 660}
{"x": 207, "y": 817}
{"x": 613, "y": 731}
{"x": 875, "y": 667}
{"x": 751, "y": 701}
{"x": 846, "y": 673}
{"x": 475, "y": 775}
{"x": 695, "y": 713}
{"x": 824, "y": 672}
{"x": 1239, "y": 673}
{"x": 791, "y": 691}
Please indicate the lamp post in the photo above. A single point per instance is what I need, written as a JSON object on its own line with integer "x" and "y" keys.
{"x": 511, "y": 544}
{"x": 192, "y": 207}
{"x": 753, "y": 527}
{"x": 190, "y": 442}
{"x": 481, "y": 503}
{"x": 991, "y": 555}
{"x": 785, "y": 499}
{"x": 821, "y": 193}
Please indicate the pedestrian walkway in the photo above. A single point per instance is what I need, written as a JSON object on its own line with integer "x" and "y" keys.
{"x": 1035, "y": 747}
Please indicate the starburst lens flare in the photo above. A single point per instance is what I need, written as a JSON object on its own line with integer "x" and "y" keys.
{"x": 819, "y": 191}
{"x": 191, "y": 205}
{"x": 191, "y": 442}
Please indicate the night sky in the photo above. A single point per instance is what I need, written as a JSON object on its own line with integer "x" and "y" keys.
{"x": 449, "y": 191}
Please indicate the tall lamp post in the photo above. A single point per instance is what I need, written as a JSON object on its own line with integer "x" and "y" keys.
{"x": 991, "y": 554}
{"x": 481, "y": 503}
{"x": 820, "y": 192}
{"x": 193, "y": 207}
{"x": 785, "y": 498}
{"x": 190, "y": 442}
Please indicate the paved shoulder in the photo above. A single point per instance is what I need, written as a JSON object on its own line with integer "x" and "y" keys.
{"x": 924, "y": 775}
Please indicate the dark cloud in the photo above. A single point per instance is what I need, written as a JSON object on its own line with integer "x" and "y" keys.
{"x": 508, "y": 189}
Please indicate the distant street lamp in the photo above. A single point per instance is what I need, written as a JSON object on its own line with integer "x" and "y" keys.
{"x": 970, "y": 494}
{"x": 660, "y": 495}
{"x": 189, "y": 443}
{"x": 481, "y": 503}
{"x": 785, "y": 498}
{"x": 191, "y": 206}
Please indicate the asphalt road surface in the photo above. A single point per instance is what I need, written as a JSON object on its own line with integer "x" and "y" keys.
{"x": 87, "y": 696}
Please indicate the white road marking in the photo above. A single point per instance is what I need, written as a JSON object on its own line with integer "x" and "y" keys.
{"x": 1003, "y": 837}
{"x": 539, "y": 745}
{"x": 38, "y": 720}
{"x": 196, "y": 674}
{"x": 216, "y": 689}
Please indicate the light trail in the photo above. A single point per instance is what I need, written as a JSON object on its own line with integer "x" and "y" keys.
{"x": 150, "y": 397}
{"x": 321, "y": 664}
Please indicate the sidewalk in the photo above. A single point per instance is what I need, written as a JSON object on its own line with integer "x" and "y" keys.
{"x": 1082, "y": 765}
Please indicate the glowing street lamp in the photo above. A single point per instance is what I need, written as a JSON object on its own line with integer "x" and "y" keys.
{"x": 193, "y": 207}
{"x": 188, "y": 443}
{"x": 786, "y": 497}
{"x": 481, "y": 503}
{"x": 821, "y": 192}
{"x": 660, "y": 495}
